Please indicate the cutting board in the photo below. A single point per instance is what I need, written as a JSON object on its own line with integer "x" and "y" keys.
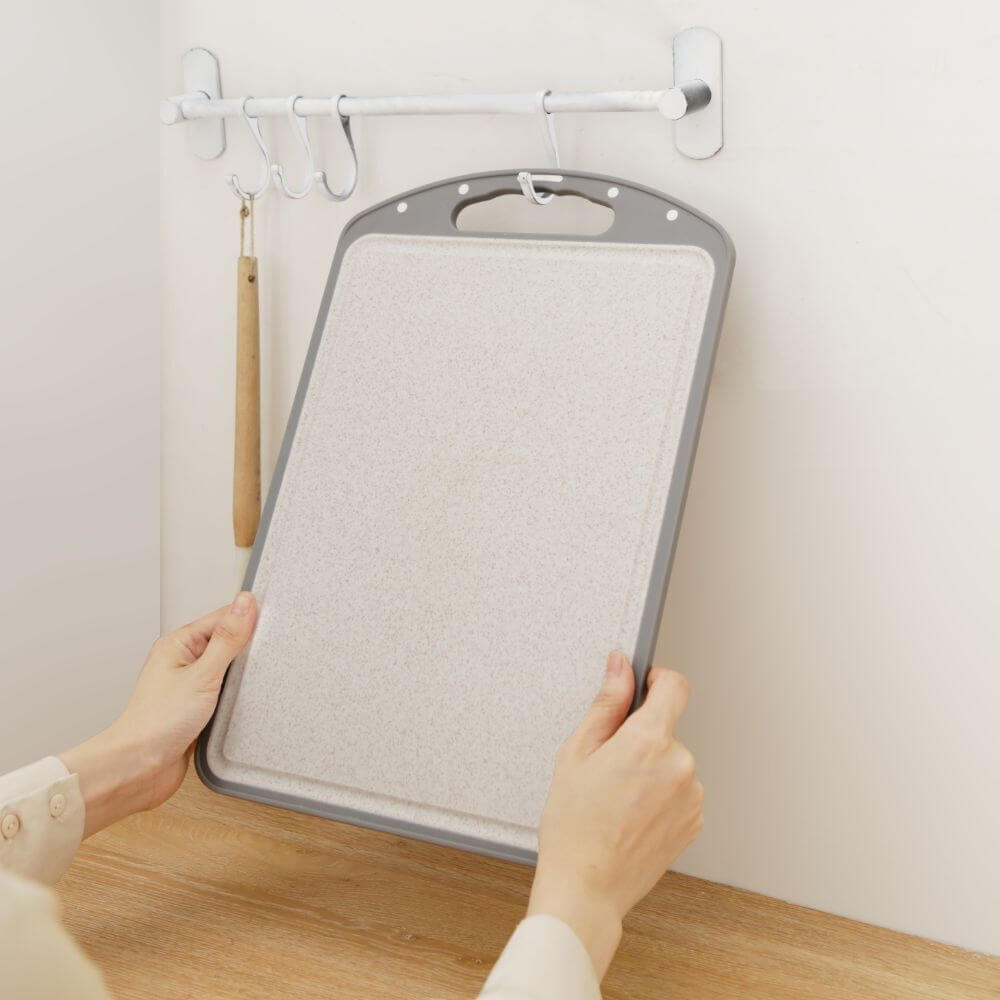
{"x": 477, "y": 499}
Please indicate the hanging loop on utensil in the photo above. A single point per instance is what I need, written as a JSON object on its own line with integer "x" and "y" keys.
{"x": 245, "y": 213}
{"x": 549, "y": 128}
{"x": 527, "y": 181}
{"x": 278, "y": 171}
{"x": 320, "y": 175}
{"x": 232, "y": 180}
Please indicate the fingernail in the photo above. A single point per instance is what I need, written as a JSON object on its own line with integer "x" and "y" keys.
{"x": 615, "y": 663}
{"x": 242, "y": 603}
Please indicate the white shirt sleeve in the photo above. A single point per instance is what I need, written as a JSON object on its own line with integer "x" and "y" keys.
{"x": 38, "y": 959}
{"x": 543, "y": 960}
{"x": 41, "y": 826}
{"x": 41, "y": 819}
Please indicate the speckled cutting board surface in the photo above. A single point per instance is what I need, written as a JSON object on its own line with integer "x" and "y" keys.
{"x": 465, "y": 525}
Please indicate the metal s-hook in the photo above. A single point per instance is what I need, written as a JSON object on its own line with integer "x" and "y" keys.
{"x": 527, "y": 181}
{"x": 320, "y": 175}
{"x": 278, "y": 171}
{"x": 232, "y": 180}
{"x": 525, "y": 178}
{"x": 549, "y": 128}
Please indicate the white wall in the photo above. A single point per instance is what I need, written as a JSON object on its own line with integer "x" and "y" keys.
{"x": 835, "y": 600}
{"x": 79, "y": 367}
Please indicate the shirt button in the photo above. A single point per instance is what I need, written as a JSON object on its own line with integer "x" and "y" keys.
{"x": 9, "y": 826}
{"x": 57, "y": 804}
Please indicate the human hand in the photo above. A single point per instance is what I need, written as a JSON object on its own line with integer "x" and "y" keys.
{"x": 139, "y": 761}
{"x": 624, "y": 803}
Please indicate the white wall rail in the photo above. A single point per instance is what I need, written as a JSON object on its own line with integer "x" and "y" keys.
{"x": 693, "y": 102}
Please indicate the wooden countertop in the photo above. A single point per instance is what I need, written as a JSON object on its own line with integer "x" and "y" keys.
{"x": 214, "y": 897}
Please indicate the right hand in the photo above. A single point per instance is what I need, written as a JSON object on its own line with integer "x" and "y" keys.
{"x": 624, "y": 803}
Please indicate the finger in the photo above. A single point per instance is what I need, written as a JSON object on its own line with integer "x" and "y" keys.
{"x": 680, "y": 763}
{"x": 193, "y": 638}
{"x": 231, "y": 633}
{"x": 665, "y": 701}
{"x": 185, "y": 644}
{"x": 609, "y": 707}
{"x": 205, "y": 626}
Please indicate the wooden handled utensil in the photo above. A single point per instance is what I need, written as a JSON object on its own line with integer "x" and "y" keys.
{"x": 246, "y": 466}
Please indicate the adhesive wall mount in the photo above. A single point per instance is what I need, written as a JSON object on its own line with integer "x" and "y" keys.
{"x": 698, "y": 56}
{"x": 206, "y": 136}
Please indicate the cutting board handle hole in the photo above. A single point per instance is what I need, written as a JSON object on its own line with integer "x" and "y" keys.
{"x": 512, "y": 213}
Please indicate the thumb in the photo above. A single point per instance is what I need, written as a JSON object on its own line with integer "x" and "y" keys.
{"x": 231, "y": 633}
{"x": 610, "y": 706}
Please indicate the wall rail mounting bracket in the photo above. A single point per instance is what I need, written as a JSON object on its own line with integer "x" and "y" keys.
{"x": 698, "y": 56}
{"x": 202, "y": 82}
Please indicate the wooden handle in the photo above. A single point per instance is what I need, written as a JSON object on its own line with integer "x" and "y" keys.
{"x": 246, "y": 469}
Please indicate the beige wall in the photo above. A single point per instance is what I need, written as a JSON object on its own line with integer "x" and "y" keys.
{"x": 835, "y": 599}
{"x": 79, "y": 367}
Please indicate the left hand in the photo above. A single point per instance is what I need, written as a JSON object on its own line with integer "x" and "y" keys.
{"x": 139, "y": 761}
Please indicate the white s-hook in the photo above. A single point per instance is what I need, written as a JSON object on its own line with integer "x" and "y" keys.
{"x": 525, "y": 178}
{"x": 320, "y": 175}
{"x": 232, "y": 180}
{"x": 549, "y": 128}
{"x": 278, "y": 171}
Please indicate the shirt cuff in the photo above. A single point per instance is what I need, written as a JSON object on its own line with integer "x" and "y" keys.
{"x": 543, "y": 960}
{"x": 41, "y": 819}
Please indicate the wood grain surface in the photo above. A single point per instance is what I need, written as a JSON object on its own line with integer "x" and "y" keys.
{"x": 215, "y": 897}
